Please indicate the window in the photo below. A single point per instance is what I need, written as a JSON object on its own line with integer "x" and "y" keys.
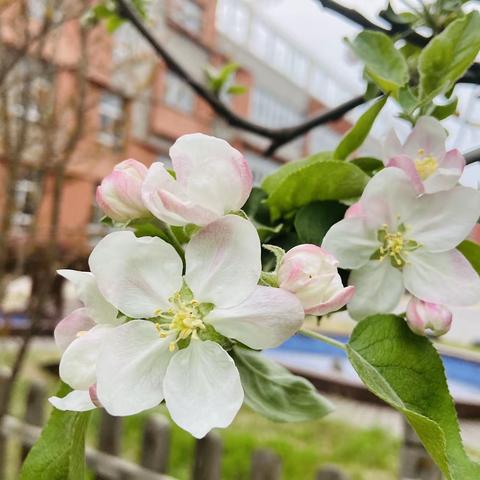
{"x": 260, "y": 166}
{"x": 261, "y": 40}
{"x": 233, "y": 19}
{"x": 178, "y": 94}
{"x": 188, "y": 14}
{"x": 300, "y": 68}
{"x": 28, "y": 75}
{"x": 270, "y": 111}
{"x": 26, "y": 191}
{"x": 37, "y": 8}
{"x": 111, "y": 119}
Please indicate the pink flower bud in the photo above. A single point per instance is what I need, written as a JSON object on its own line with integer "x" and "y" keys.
{"x": 119, "y": 194}
{"x": 311, "y": 274}
{"x": 425, "y": 317}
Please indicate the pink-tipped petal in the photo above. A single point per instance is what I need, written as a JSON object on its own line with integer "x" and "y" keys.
{"x": 335, "y": 303}
{"x": 408, "y": 166}
{"x": 355, "y": 210}
{"x": 67, "y": 329}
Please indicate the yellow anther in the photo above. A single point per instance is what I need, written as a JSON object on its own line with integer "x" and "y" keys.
{"x": 425, "y": 165}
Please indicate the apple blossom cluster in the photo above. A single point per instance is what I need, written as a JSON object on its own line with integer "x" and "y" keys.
{"x": 403, "y": 232}
{"x": 160, "y": 318}
{"x": 158, "y": 323}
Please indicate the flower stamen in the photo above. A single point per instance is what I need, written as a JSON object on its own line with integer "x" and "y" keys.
{"x": 425, "y": 164}
{"x": 394, "y": 246}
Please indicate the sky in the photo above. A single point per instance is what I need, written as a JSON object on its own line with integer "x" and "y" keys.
{"x": 322, "y": 35}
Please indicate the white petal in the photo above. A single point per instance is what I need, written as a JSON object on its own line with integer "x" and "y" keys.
{"x": 391, "y": 146}
{"x": 446, "y": 278}
{"x": 428, "y": 135}
{"x": 137, "y": 275}
{"x": 67, "y": 329}
{"x": 264, "y": 320}
{"x": 440, "y": 221}
{"x": 223, "y": 261}
{"x": 168, "y": 201}
{"x": 87, "y": 290}
{"x": 378, "y": 288}
{"x": 351, "y": 242}
{"x": 212, "y": 173}
{"x": 76, "y": 401}
{"x": 388, "y": 198}
{"x": 202, "y": 388}
{"x": 131, "y": 368}
{"x": 79, "y": 361}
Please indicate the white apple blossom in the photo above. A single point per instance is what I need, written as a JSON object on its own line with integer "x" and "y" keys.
{"x": 119, "y": 195}
{"x": 79, "y": 336}
{"x": 425, "y": 317}
{"x": 311, "y": 274}
{"x": 423, "y": 157}
{"x": 399, "y": 240}
{"x": 170, "y": 351}
{"x": 211, "y": 179}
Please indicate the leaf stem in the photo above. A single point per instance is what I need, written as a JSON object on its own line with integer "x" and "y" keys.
{"x": 174, "y": 242}
{"x": 322, "y": 338}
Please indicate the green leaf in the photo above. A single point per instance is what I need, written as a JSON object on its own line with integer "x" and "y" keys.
{"x": 405, "y": 370}
{"x": 448, "y": 55}
{"x": 272, "y": 181}
{"x": 316, "y": 180}
{"x": 384, "y": 64}
{"x": 471, "y": 251}
{"x": 59, "y": 453}
{"x": 314, "y": 220}
{"x": 237, "y": 89}
{"x": 272, "y": 391}
{"x": 354, "y": 138}
{"x": 440, "y": 112}
{"x": 369, "y": 165}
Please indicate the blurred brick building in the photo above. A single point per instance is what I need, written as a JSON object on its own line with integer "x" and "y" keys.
{"x": 137, "y": 108}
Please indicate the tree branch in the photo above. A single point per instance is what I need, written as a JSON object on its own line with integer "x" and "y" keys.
{"x": 278, "y": 136}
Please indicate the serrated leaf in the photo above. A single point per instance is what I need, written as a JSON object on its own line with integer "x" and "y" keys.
{"x": 405, "y": 370}
{"x": 272, "y": 391}
{"x": 448, "y": 55}
{"x": 318, "y": 180}
{"x": 384, "y": 64}
{"x": 471, "y": 251}
{"x": 355, "y": 137}
{"x": 59, "y": 453}
{"x": 314, "y": 220}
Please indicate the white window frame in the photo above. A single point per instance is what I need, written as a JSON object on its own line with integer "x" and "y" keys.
{"x": 110, "y": 130}
{"x": 177, "y": 94}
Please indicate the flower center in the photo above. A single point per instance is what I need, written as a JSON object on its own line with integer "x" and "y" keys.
{"x": 394, "y": 245}
{"x": 425, "y": 164}
{"x": 183, "y": 319}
